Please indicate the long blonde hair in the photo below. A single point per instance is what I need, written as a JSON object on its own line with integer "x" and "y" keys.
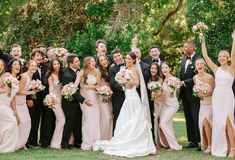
{"x": 86, "y": 62}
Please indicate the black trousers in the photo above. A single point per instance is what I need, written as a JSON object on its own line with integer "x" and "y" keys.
{"x": 117, "y": 102}
{"x": 35, "y": 115}
{"x": 47, "y": 126}
{"x": 73, "y": 124}
{"x": 151, "y": 105}
{"x": 191, "y": 112}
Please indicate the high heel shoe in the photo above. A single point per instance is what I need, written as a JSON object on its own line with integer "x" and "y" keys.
{"x": 231, "y": 153}
{"x": 208, "y": 150}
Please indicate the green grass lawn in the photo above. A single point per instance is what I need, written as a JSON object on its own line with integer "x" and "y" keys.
{"x": 77, "y": 154}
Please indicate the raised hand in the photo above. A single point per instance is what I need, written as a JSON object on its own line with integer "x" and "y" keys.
{"x": 201, "y": 37}
{"x": 233, "y": 34}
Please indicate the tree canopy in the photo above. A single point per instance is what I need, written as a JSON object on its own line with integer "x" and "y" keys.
{"x": 76, "y": 25}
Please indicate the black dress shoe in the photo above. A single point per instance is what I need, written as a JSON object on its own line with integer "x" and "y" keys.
{"x": 66, "y": 147}
{"x": 192, "y": 145}
{"x": 199, "y": 149}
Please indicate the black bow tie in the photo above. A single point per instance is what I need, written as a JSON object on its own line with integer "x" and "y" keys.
{"x": 121, "y": 64}
{"x": 155, "y": 60}
{"x": 187, "y": 57}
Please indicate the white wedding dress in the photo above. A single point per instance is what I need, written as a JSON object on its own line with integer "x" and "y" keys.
{"x": 132, "y": 135}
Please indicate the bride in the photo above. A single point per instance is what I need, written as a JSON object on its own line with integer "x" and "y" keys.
{"x": 132, "y": 135}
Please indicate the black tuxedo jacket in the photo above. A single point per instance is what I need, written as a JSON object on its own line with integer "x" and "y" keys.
{"x": 118, "y": 93}
{"x": 145, "y": 71}
{"x": 187, "y": 77}
{"x": 5, "y": 57}
{"x": 70, "y": 76}
{"x": 149, "y": 60}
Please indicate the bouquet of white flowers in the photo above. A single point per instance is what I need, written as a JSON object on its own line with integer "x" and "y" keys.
{"x": 105, "y": 92}
{"x": 123, "y": 76}
{"x": 10, "y": 82}
{"x": 51, "y": 100}
{"x": 68, "y": 90}
{"x": 36, "y": 85}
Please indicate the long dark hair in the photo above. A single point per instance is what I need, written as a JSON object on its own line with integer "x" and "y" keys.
{"x": 158, "y": 76}
{"x": 51, "y": 70}
{"x": 132, "y": 55}
{"x": 168, "y": 66}
{"x": 104, "y": 71}
{"x": 9, "y": 68}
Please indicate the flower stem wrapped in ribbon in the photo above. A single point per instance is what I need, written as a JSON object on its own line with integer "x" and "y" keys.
{"x": 68, "y": 90}
{"x": 105, "y": 92}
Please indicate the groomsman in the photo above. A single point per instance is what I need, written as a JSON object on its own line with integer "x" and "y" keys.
{"x": 72, "y": 110}
{"x": 5, "y": 57}
{"x": 48, "y": 116}
{"x": 35, "y": 106}
{"x": 191, "y": 104}
{"x": 154, "y": 56}
{"x": 118, "y": 96}
{"x": 101, "y": 50}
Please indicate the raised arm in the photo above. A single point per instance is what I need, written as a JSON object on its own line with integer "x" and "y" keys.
{"x": 209, "y": 62}
{"x": 233, "y": 54}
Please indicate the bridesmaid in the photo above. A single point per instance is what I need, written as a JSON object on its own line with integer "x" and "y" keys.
{"x": 54, "y": 75}
{"x": 169, "y": 107}
{"x": 106, "y": 116}
{"x": 9, "y": 120}
{"x": 222, "y": 101}
{"x": 205, "y": 112}
{"x": 89, "y": 82}
{"x": 21, "y": 106}
{"x": 155, "y": 76}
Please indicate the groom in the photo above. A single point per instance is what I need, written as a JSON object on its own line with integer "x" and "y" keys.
{"x": 72, "y": 110}
{"x": 118, "y": 96}
{"x": 191, "y": 104}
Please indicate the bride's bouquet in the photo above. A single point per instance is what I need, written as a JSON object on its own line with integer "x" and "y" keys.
{"x": 51, "y": 100}
{"x": 174, "y": 84}
{"x": 123, "y": 77}
{"x": 10, "y": 82}
{"x": 105, "y": 92}
{"x": 68, "y": 90}
{"x": 36, "y": 85}
{"x": 200, "y": 90}
{"x": 200, "y": 27}
{"x": 154, "y": 87}
{"x": 60, "y": 52}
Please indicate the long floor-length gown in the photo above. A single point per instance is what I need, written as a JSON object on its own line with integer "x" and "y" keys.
{"x": 222, "y": 108}
{"x": 170, "y": 105}
{"x": 59, "y": 114}
{"x": 9, "y": 130}
{"x": 205, "y": 113}
{"x": 157, "y": 111}
{"x": 132, "y": 135}
{"x": 106, "y": 117}
{"x": 23, "y": 113}
{"x": 91, "y": 128}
